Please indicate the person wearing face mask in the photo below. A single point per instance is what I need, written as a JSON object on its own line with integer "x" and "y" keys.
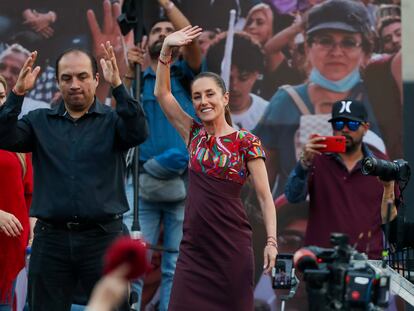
{"x": 337, "y": 43}
{"x": 215, "y": 264}
{"x": 16, "y": 186}
{"x": 341, "y": 198}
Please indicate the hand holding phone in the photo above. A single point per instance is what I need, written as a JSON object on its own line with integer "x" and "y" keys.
{"x": 282, "y": 273}
{"x": 335, "y": 144}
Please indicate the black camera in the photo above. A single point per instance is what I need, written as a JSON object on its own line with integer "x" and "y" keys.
{"x": 340, "y": 278}
{"x": 398, "y": 170}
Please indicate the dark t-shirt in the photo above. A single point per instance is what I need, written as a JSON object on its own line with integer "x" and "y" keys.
{"x": 346, "y": 202}
{"x": 268, "y": 84}
{"x": 384, "y": 96}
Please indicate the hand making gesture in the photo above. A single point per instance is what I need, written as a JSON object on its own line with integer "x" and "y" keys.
{"x": 180, "y": 38}
{"x": 109, "y": 31}
{"x": 27, "y": 76}
{"x": 136, "y": 55}
{"x": 109, "y": 66}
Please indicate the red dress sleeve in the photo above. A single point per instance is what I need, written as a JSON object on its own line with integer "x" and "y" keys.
{"x": 251, "y": 146}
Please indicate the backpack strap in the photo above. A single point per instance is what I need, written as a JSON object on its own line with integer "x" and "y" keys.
{"x": 296, "y": 99}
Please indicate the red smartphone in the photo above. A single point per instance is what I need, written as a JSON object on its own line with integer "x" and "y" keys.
{"x": 333, "y": 144}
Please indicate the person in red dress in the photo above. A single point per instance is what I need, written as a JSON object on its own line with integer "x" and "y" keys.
{"x": 16, "y": 185}
{"x": 215, "y": 263}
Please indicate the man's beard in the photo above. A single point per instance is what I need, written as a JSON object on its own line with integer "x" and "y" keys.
{"x": 353, "y": 145}
{"x": 396, "y": 48}
{"x": 155, "y": 49}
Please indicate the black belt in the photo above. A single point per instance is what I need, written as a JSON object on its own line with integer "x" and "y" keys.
{"x": 79, "y": 225}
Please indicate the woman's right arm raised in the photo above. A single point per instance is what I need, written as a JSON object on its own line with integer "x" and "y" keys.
{"x": 172, "y": 109}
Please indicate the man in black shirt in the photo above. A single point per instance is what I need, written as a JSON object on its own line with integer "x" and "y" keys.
{"x": 78, "y": 157}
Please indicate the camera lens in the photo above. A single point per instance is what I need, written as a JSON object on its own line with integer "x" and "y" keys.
{"x": 368, "y": 165}
{"x": 386, "y": 170}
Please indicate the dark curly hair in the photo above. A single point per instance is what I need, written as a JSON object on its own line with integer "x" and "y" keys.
{"x": 247, "y": 55}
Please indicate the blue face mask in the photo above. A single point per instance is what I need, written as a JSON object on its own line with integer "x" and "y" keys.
{"x": 340, "y": 86}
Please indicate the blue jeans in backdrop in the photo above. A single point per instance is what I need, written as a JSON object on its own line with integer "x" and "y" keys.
{"x": 151, "y": 215}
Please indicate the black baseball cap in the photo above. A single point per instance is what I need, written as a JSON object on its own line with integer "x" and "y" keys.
{"x": 347, "y": 15}
{"x": 350, "y": 110}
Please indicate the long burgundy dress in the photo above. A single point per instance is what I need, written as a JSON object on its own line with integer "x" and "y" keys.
{"x": 215, "y": 264}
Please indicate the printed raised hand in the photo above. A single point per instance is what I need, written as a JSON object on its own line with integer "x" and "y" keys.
{"x": 40, "y": 22}
{"x": 136, "y": 55}
{"x": 109, "y": 66}
{"x": 299, "y": 23}
{"x": 163, "y": 3}
{"x": 110, "y": 32}
{"x": 27, "y": 76}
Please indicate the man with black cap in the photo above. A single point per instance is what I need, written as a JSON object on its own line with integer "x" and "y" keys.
{"x": 342, "y": 199}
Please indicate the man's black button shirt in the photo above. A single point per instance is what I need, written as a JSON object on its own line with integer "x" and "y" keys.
{"x": 79, "y": 165}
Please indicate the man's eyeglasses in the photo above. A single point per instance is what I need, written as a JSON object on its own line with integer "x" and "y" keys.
{"x": 340, "y": 124}
{"x": 329, "y": 43}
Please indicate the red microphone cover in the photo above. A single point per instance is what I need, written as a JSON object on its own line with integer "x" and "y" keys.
{"x": 304, "y": 258}
{"x": 128, "y": 251}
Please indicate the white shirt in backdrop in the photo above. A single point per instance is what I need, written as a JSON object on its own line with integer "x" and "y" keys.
{"x": 249, "y": 118}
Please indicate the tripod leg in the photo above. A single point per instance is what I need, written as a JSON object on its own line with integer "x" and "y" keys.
{"x": 282, "y": 306}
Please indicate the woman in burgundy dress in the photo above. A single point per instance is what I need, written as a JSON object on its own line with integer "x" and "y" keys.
{"x": 215, "y": 264}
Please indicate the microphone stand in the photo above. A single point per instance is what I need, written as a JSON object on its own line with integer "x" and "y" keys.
{"x": 132, "y": 19}
{"x": 292, "y": 291}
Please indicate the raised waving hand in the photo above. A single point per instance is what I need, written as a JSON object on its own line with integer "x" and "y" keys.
{"x": 109, "y": 66}
{"x": 182, "y": 37}
{"x": 173, "y": 111}
{"x": 27, "y": 76}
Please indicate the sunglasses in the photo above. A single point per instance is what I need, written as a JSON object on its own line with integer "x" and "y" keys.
{"x": 352, "y": 125}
